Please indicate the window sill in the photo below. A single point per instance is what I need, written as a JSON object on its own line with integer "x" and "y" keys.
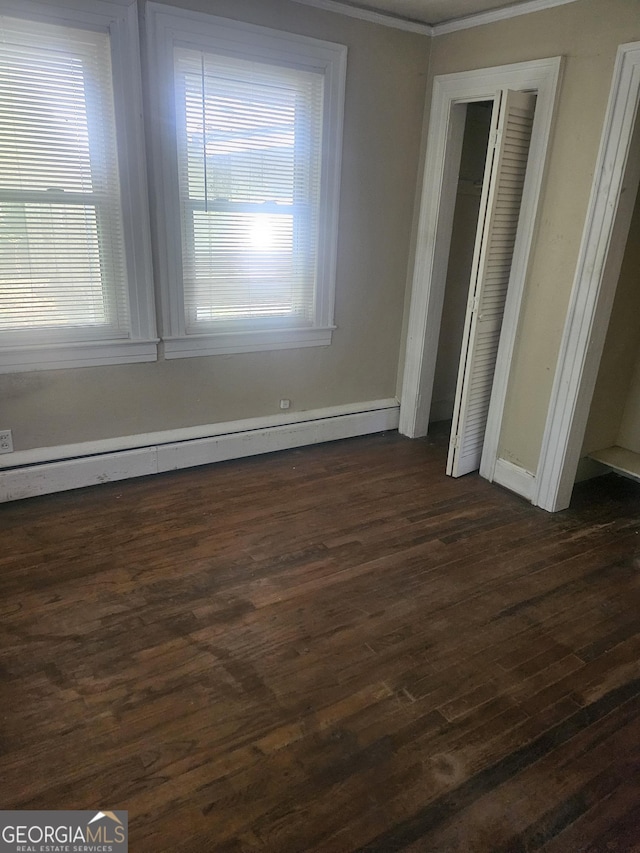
{"x": 222, "y": 343}
{"x": 85, "y": 354}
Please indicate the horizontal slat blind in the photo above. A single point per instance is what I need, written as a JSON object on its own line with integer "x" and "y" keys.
{"x": 62, "y": 265}
{"x": 249, "y": 156}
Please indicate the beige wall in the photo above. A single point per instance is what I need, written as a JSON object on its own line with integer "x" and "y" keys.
{"x": 628, "y": 329}
{"x": 384, "y": 101}
{"x": 387, "y": 73}
{"x": 629, "y": 435}
{"x": 614, "y": 417}
{"x": 587, "y": 33}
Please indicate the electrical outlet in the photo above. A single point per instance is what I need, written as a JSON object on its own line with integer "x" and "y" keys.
{"x": 6, "y": 441}
{"x": 284, "y": 404}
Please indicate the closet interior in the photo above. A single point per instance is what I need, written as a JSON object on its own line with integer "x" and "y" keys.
{"x": 612, "y": 437}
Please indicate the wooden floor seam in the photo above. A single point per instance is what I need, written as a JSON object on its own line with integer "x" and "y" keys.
{"x": 333, "y": 649}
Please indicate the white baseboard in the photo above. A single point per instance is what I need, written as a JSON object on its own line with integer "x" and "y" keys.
{"x": 57, "y": 469}
{"x": 514, "y": 478}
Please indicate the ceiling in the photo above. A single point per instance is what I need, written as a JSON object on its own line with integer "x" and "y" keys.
{"x": 433, "y": 11}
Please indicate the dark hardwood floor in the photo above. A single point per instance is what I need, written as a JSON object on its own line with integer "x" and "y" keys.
{"x": 331, "y": 649}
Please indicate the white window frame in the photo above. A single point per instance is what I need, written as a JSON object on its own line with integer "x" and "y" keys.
{"x": 166, "y": 28}
{"x": 118, "y": 18}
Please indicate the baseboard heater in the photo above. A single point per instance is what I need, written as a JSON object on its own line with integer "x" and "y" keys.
{"x": 46, "y": 470}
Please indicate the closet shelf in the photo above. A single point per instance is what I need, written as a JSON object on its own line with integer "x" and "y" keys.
{"x": 619, "y": 459}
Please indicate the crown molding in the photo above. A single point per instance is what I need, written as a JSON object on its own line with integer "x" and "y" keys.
{"x": 494, "y": 15}
{"x": 370, "y": 16}
{"x": 477, "y": 20}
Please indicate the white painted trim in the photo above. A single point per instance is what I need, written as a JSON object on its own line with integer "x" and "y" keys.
{"x": 373, "y": 17}
{"x": 167, "y": 26}
{"x": 118, "y": 18}
{"x": 132, "y": 166}
{"x": 590, "y": 304}
{"x": 82, "y": 354}
{"x": 450, "y": 92}
{"x": 54, "y": 469}
{"x": 169, "y": 436}
{"x": 183, "y": 347}
{"x": 20, "y": 483}
{"x": 514, "y": 478}
{"x": 69, "y": 12}
{"x": 540, "y": 135}
{"x": 494, "y": 15}
{"x": 465, "y": 422}
{"x": 465, "y": 23}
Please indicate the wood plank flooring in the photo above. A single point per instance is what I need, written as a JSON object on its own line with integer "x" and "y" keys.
{"x": 326, "y": 650}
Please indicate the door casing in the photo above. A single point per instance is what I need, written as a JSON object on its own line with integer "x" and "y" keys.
{"x": 507, "y": 154}
{"x": 451, "y": 93}
{"x": 595, "y": 282}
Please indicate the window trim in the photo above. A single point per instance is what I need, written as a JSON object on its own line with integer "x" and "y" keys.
{"x": 119, "y": 18}
{"x": 167, "y": 27}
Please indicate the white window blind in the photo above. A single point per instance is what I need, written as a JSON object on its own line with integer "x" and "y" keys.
{"x": 249, "y": 161}
{"x": 62, "y": 261}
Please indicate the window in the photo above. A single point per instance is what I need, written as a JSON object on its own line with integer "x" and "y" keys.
{"x": 67, "y": 261}
{"x": 249, "y": 161}
{"x": 249, "y": 140}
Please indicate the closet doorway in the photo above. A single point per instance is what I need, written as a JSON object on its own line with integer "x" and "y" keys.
{"x": 583, "y": 351}
{"x": 454, "y": 96}
{"x": 612, "y": 436}
{"x": 493, "y": 163}
{"x": 463, "y": 236}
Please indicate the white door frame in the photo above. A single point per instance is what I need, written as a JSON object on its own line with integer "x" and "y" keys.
{"x": 592, "y": 295}
{"x": 499, "y": 218}
{"x": 451, "y": 93}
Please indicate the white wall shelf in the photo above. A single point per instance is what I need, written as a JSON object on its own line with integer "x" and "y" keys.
{"x": 620, "y": 460}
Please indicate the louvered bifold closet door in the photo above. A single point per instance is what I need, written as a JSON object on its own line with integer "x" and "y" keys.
{"x": 493, "y": 253}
